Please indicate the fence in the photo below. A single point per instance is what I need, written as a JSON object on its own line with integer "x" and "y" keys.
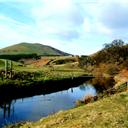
{"x": 7, "y": 71}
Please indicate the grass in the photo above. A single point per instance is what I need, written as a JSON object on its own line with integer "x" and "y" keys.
{"x": 110, "y": 112}
{"x": 44, "y": 73}
{"x": 15, "y": 64}
{"x": 52, "y": 73}
{"x": 63, "y": 70}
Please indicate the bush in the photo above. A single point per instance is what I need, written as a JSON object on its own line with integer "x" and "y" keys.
{"x": 112, "y": 69}
{"x": 89, "y": 98}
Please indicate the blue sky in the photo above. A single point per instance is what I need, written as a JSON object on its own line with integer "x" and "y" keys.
{"x": 75, "y": 26}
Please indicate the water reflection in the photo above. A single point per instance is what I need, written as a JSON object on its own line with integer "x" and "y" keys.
{"x": 33, "y": 108}
{"x": 72, "y": 90}
{"x": 102, "y": 83}
{"x": 88, "y": 90}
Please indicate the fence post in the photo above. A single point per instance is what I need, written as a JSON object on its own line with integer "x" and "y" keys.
{"x": 11, "y": 69}
{"x": 6, "y": 68}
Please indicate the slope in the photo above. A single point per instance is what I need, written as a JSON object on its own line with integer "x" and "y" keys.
{"x": 29, "y": 48}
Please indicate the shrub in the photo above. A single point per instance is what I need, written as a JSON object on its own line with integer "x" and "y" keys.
{"x": 112, "y": 69}
{"x": 89, "y": 98}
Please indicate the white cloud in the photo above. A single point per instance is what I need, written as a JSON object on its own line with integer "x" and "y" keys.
{"x": 87, "y": 25}
{"x": 10, "y": 35}
{"x": 106, "y": 17}
{"x": 19, "y": 1}
{"x": 57, "y": 17}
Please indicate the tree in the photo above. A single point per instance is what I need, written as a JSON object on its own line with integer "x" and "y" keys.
{"x": 85, "y": 61}
{"x": 114, "y": 50}
{"x": 117, "y": 43}
{"x": 114, "y": 43}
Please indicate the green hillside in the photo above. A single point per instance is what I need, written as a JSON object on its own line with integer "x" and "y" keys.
{"x": 109, "y": 112}
{"x": 29, "y": 48}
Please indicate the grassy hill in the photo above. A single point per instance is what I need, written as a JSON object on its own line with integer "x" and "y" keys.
{"x": 108, "y": 61}
{"x": 29, "y": 48}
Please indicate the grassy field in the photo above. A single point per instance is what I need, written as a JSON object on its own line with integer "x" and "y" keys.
{"x": 33, "y": 72}
{"x": 15, "y": 64}
{"x": 109, "y": 112}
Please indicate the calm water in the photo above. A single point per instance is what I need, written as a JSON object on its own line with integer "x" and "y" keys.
{"x": 36, "y": 107}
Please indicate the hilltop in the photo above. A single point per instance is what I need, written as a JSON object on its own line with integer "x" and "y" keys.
{"x": 30, "y": 48}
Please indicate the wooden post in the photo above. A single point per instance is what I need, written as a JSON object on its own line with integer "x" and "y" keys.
{"x": 11, "y": 69}
{"x": 6, "y": 68}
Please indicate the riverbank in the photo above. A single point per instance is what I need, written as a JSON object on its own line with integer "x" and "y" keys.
{"x": 27, "y": 75}
{"x": 97, "y": 114}
{"x": 121, "y": 78}
{"x": 20, "y": 89}
{"x": 89, "y": 115}
{"x": 30, "y": 80}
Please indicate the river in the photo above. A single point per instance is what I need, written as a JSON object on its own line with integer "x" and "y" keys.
{"x": 35, "y": 107}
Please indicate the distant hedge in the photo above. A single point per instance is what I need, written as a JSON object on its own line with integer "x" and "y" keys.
{"x": 19, "y": 56}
